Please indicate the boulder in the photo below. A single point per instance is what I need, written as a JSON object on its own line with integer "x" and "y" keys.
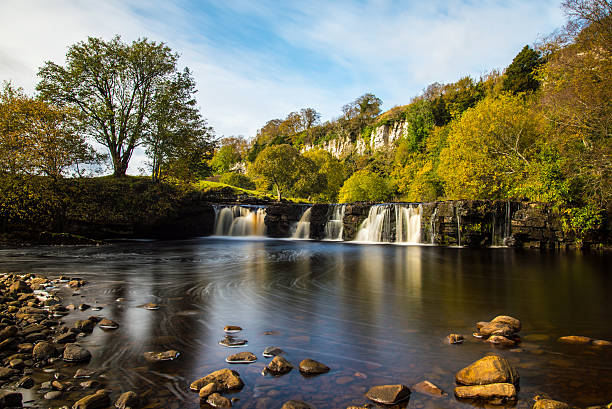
{"x": 208, "y": 390}
{"x": 510, "y": 321}
{"x": 388, "y": 394}
{"x": 227, "y": 379}
{"x": 279, "y": 365}
{"x": 455, "y": 339}
{"x": 241, "y": 358}
{"x": 269, "y": 352}
{"x": 312, "y": 367}
{"x": 76, "y": 353}
{"x": 496, "y": 393}
{"x": 428, "y": 388}
{"x": 217, "y": 401}
{"x": 550, "y": 404}
{"x": 105, "y": 323}
{"x": 496, "y": 328}
{"x": 127, "y": 400}
{"x": 575, "y": 339}
{"x": 8, "y": 332}
{"x": 98, "y": 400}
{"x": 296, "y": 404}
{"x": 43, "y": 350}
{"x": 490, "y": 369}
{"x": 85, "y": 325}
{"x": 20, "y": 287}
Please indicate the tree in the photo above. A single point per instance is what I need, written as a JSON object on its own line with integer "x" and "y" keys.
{"x": 420, "y": 121}
{"x": 113, "y": 86}
{"x": 333, "y": 170}
{"x": 520, "y": 75}
{"x": 39, "y": 138}
{"x": 365, "y": 186}
{"x": 224, "y": 158}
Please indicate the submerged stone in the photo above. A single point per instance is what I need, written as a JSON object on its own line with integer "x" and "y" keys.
{"x": 127, "y": 400}
{"x": 227, "y": 379}
{"x": 312, "y": 367}
{"x": 241, "y": 358}
{"x": 217, "y": 401}
{"x": 76, "y": 353}
{"x": 296, "y": 404}
{"x": 388, "y": 394}
{"x": 455, "y": 339}
{"x": 161, "y": 356}
{"x": 428, "y": 388}
{"x": 279, "y": 366}
{"x": 550, "y": 404}
{"x": 98, "y": 400}
{"x": 232, "y": 342}
{"x": 575, "y": 339}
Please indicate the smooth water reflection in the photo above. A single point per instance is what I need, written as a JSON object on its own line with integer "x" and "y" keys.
{"x": 374, "y": 314}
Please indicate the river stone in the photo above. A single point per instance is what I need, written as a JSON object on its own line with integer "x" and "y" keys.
{"x": 232, "y": 328}
{"x": 550, "y": 404}
{"x": 127, "y": 399}
{"x": 428, "y": 388}
{"x": 510, "y": 321}
{"x": 279, "y": 366}
{"x": 296, "y": 404}
{"x": 495, "y": 393}
{"x": 208, "y": 390}
{"x": 496, "y": 328}
{"x": 388, "y": 394}
{"x": 7, "y": 372}
{"x": 76, "y": 353}
{"x": 8, "y": 332}
{"x": 241, "y": 358}
{"x": 455, "y": 339}
{"x": 490, "y": 369}
{"x": 161, "y": 356}
{"x": 65, "y": 338}
{"x": 20, "y": 287}
{"x": 83, "y": 373}
{"x": 105, "y": 323}
{"x": 501, "y": 341}
{"x": 575, "y": 339}
{"x": 91, "y": 384}
{"x": 227, "y": 379}
{"x": 312, "y": 367}
{"x": 602, "y": 343}
{"x": 98, "y": 400}
{"x": 151, "y": 306}
{"x": 10, "y": 398}
{"x": 43, "y": 350}
{"x": 26, "y": 382}
{"x": 232, "y": 342}
{"x": 269, "y": 352}
{"x": 85, "y": 325}
{"x": 217, "y": 401}
{"x": 53, "y": 395}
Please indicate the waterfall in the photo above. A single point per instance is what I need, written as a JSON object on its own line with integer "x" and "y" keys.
{"x": 240, "y": 221}
{"x": 302, "y": 230}
{"x": 334, "y": 227}
{"x": 377, "y": 223}
{"x": 408, "y": 223}
{"x": 432, "y": 225}
{"x": 459, "y": 229}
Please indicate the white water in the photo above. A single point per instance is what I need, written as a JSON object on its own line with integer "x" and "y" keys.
{"x": 240, "y": 221}
{"x": 302, "y": 230}
{"x": 408, "y": 224}
{"x": 378, "y": 222}
{"x": 334, "y": 227}
{"x": 378, "y": 227}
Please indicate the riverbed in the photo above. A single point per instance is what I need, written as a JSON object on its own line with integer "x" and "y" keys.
{"x": 375, "y": 314}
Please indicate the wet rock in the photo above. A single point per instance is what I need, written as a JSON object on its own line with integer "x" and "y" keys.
{"x": 232, "y": 342}
{"x": 26, "y": 382}
{"x": 487, "y": 370}
{"x": 27, "y": 347}
{"x": 602, "y": 343}
{"x": 428, "y": 388}
{"x": 58, "y": 385}
{"x": 510, "y": 321}
{"x": 76, "y": 283}
{"x": 20, "y": 286}
{"x": 227, "y": 379}
{"x": 85, "y": 325}
{"x": 151, "y": 306}
{"x": 500, "y": 340}
{"x": 496, "y": 328}
{"x": 269, "y": 352}
{"x": 550, "y": 404}
{"x": 98, "y": 400}
{"x": 241, "y": 358}
{"x": 9, "y": 332}
{"x": 232, "y": 328}
{"x": 279, "y": 366}
{"x": 53, "y": 395}
{"x": 83, "y": 373}
{"x": 296, "y": 404}
{"x": 107, "y": 324}
{"x": 10, "y": 398}
{"x": 209, "y": 389}
{"x": 575, "y": 339}
{"x": 312, "y": 367}
{"x": 455, "y": 339}
{"x": 16, "y": 363}
{"x": 84, "y": 307}
{"x": 161, "y": 356}
{"x": 127, "y": 400}
{"x": 495, "y": 393}
{"x": 65, "y": 338}
{"x": 6, "y": 373}
{"x": 90, "y": 384}
{"x": 388, "y": 394}
{"x": 217, "y": 401}
{"x": 76, "y": 353}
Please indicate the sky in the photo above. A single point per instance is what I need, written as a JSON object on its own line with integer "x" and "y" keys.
{"x": 255, "y": 60}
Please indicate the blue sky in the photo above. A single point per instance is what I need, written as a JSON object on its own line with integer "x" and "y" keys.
{"x": 258, "y": 60}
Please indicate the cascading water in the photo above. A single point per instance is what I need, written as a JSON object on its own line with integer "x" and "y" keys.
{"x": 377, "y": 223}
{"x": 408, "y": 224}
{"x": 334, "y": 227}
{"x": 240, "y": 221}
{"x": 302, "y": 230}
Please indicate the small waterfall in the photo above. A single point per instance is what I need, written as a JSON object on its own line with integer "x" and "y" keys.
{"x": 408, "y": 223}
{"x": 302, "y": 230}
{"x": 377, "y": 223}
{"x": 240, "y": 221}
{"x": 458, "y": 229}
{"x": 334, "y": 227}
{"x": 432, "y": 225}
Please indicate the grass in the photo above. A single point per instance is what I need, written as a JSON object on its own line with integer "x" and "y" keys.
{"x": 214, "y": 187}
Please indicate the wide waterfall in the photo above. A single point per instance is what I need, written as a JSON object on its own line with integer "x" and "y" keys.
{"x": 240, "y": 221}
{"x": 302, "y": 230}
{"x": 392, "y": 223}
{"x": 334, "y": 227}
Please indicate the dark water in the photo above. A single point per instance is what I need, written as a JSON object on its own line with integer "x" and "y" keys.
{"x": 374, "y": 314}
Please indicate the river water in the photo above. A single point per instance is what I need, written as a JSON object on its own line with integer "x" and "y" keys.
{"x": 375, "y": 314}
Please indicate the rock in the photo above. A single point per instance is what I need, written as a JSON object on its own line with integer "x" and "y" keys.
{"x": 58, "y": 385}
{"x": 26, "y": 382}
{"x": 241, "y": 358}
{"x": 85, "y": 325}
{"x": 550, "y": 404}
{"x": 496, "y": 328}
{"x": 16, "y": 363}
{"x": 501, "y": 341}
{"x": 107, "y": 324}
{"x": 8, "y": 332}
{"x": 20, "y": 287}
{"x": 84, "y": 307}
{"x": 490, "y": 369}
{"x": 279, "y": 366}
{"x": 27, "y": 347}
{"x": 496, "y": 393}
{"x": 161, "y": 356}
{"x": 232, "y": 328}
{"x": 296, "y": 404}
{"x": 209, "y": 389}
{"x": 455, "y": 339}
{"x": 52, "y": 395}
{"x": 90, "y": 384}
{"x": 269, "y": 352}
{"x": 66, "y": 338}
{"x": 9, "y": 399}
{"x": 428, "y": 388}
{"x": 127, "y": 400}
{"x": 232, "y": 342}
{"x": 6, "y": 373}
{"x": 575, "y": 339}
{"x": 227, "y": 379}
{"x": 510, "y": 321}
{"x": 602, "y": 343}
{"x": 312, "y": 367}
{"x": 217, "y": 401}
{"x": 98, "y": 400}
{"x": 83, "y": 373}
{"x": 388, "y": 394}
{"x": 76, "y": 353}
{"x": 151, "y": 306}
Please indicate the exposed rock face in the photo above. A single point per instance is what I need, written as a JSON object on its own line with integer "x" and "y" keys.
{"x": 490, "y": 369}
{"x": 354, "y": 215}
{"x": 495, "y": 393}
{"x": 281, "y": 217}
{"x": 312, "y": 367}
{"x": 550, "y": 404}
{"x": 227, "y": 379}
{"x": 388, "y": 394}
{"x": 384, "y": 135}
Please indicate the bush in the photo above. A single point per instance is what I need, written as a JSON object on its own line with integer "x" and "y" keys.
{"x": 365, "y": 186}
